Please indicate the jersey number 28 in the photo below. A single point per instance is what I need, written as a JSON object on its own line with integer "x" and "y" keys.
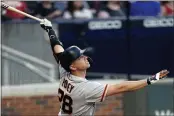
{"x": 67, "y": 102}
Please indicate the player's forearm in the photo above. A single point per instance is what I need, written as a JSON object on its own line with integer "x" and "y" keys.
{"x": 135, "y": 85}
{"x": 126, "y": 86}
{"x": 55, "y": 42}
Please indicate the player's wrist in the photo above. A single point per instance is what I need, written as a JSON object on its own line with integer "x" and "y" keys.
{"x": 149, "y": 81}
{"x": 153, "y": 79}
{"x": 48, "y": 29}
{"x": 53, "y": 38}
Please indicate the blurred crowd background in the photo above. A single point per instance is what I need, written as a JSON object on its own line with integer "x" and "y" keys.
{"x": 88, "y": 9}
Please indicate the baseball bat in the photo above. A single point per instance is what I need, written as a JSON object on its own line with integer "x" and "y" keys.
{"x": 6, "y": 6}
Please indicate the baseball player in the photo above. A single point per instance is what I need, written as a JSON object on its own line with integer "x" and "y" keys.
{"x": 76, "y": 94}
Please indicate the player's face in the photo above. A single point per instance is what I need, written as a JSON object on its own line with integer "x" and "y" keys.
{"x": 81, "y": 63}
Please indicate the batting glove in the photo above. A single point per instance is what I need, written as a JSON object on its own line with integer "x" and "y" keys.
{"x": 155, "y": 78}
{"x": 46, "y": 25}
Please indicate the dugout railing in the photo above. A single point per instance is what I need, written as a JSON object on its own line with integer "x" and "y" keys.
{"x": 13, "y": 74}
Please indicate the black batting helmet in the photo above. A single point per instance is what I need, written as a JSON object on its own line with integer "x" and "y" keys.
{"x": 71, "y": 54}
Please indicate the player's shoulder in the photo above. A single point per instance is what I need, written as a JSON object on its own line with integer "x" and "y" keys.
{"x": 92, "y": 83}
{"x": 64, "y": 76}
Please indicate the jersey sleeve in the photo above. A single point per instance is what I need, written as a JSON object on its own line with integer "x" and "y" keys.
{"x": 95, "y": 92}
{"x": 62, "y": 71}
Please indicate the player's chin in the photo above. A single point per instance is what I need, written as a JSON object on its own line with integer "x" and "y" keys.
{"x": 88, "y": 65}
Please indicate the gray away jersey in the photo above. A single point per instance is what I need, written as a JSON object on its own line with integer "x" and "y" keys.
{"x": 78, "y": 96}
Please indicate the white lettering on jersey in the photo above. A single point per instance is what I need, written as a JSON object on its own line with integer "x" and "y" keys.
{"x": 67, "y": 85}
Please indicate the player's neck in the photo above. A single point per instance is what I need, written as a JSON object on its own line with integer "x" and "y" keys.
{"x": 79, "y": 73}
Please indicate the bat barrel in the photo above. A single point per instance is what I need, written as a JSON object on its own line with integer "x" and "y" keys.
{"x": 5, "y": 6}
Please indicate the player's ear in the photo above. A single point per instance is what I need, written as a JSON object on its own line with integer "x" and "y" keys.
{"x": 72, "y": 67}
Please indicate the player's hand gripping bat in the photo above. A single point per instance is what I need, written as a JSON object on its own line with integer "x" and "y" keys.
{"x": 6, "y": 6}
